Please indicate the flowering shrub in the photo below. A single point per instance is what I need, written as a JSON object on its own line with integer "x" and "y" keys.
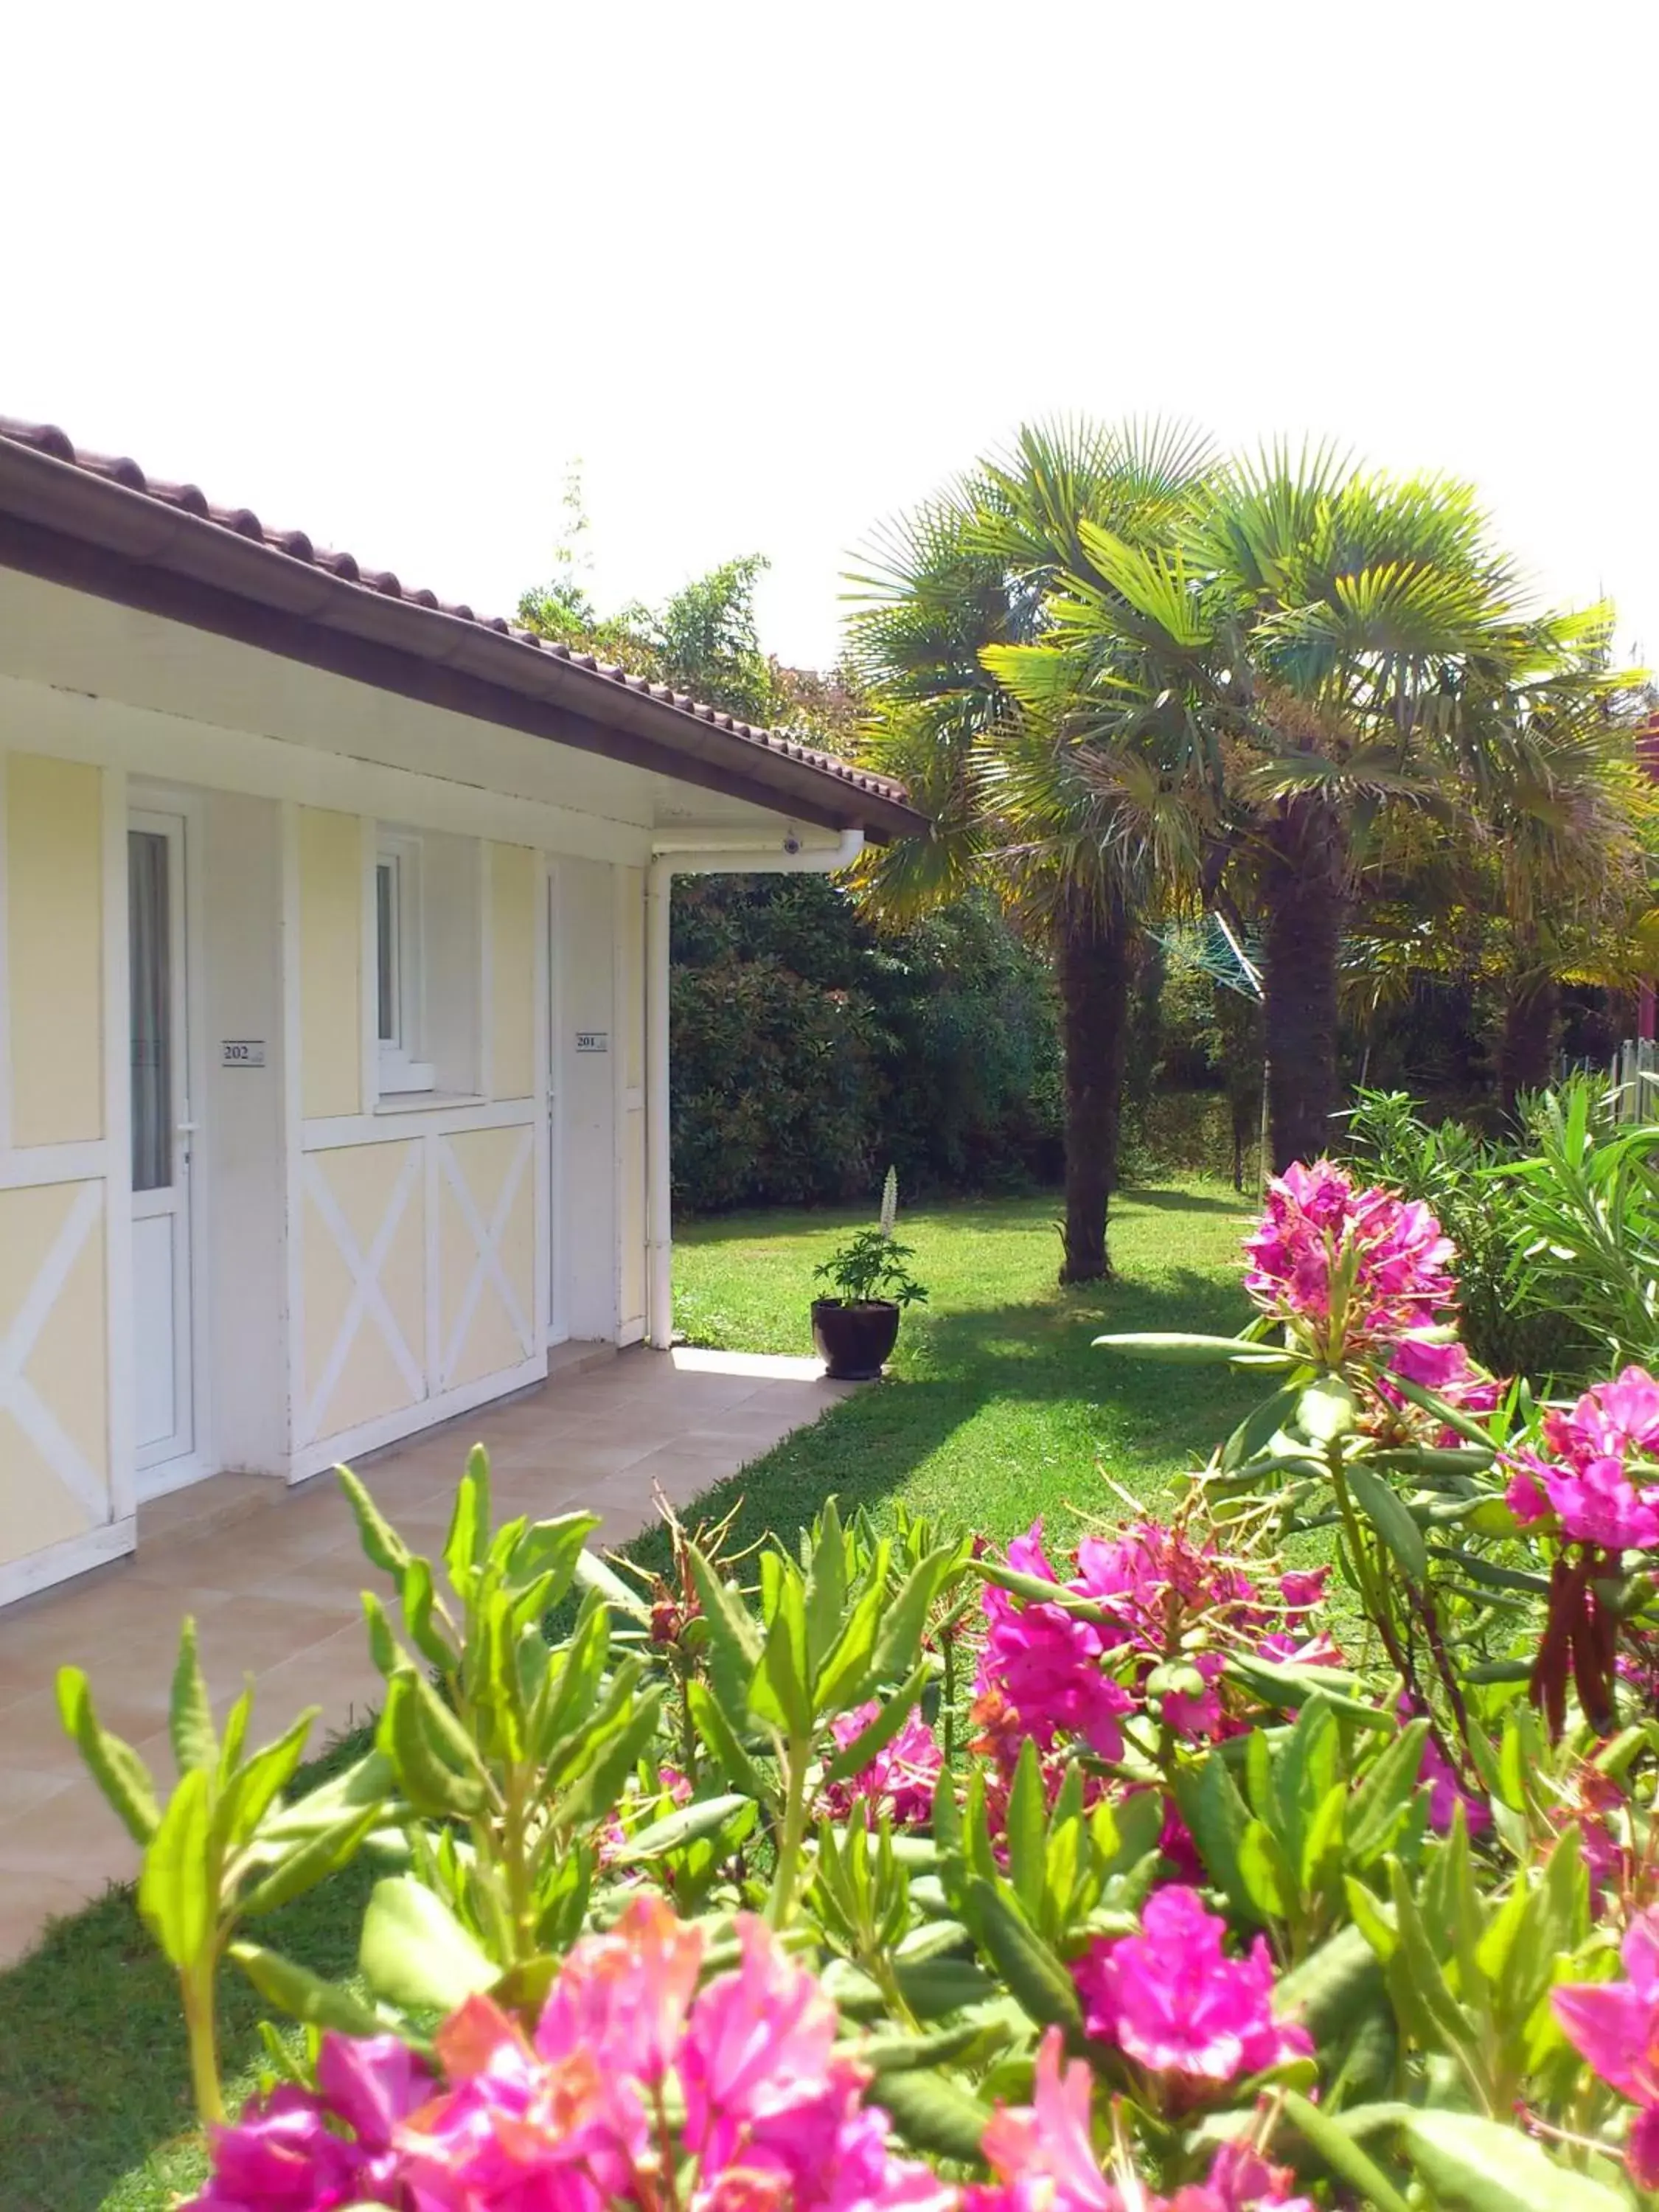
{"x": 891, "y": 1870}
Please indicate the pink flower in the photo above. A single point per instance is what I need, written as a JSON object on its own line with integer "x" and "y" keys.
{"x": 1241, "y": 2180}
{"x": 773, "y": 2117}
{"x": 287, "y": 2153}
{"x": 281, "y": 2156}
{"x": 1171, "y": 1999}
{"x": 1348, "y": 1272}
{"x": 1045, "y": 2153}
{"x": 1614, "y": 2026}
{"x": 900, "y": 1779}
{"x": 1302, "y": 1592}
{"x": 1446, "y": 1793}
{"x": 1600, "y": 1476}
{"x": 623, "y": 1997}
{"x": 1046, "y": 1663}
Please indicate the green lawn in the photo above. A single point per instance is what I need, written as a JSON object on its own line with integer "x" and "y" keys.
{"x": 1002, "y": 1409}
{"x": 998, "y": 1410}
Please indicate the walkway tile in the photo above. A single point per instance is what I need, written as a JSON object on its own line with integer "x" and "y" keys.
{"x": 273, "y": 1578}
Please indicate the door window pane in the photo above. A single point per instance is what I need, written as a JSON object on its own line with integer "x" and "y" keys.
{"x": 385, "y": 927}
{"x": 149, "y": 934}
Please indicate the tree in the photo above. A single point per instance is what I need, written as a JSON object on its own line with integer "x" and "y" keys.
{"x": 1074, "y": 839}
{"x": 1352, "y": 643}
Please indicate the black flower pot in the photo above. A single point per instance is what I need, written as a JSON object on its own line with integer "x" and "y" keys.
{"x": 854, "y": 1340}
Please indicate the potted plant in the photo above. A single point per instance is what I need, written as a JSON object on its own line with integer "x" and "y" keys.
{"x": 856, "y": 1330}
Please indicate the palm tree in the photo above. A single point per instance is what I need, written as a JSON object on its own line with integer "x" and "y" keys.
{"x": 1341, "y": 639}
{"x": 1074, "y": 838}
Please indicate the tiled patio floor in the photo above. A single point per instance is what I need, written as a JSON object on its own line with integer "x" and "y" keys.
{"x": 272, "y": 1575}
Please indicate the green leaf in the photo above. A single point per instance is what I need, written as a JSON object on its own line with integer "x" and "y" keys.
{"x": 430, "y": 1782}
{"x": 844, "y": 1677}
{"x": 310, "y": 1863}
{"x": 468, "y": 1539}
{"x": 304, "y": 1995}
{"x": 415, "y": 1952}
{"x": 735, "y": 1638}
{"x": 932, "y": 2112}
{"x": 175, "y": 1889}
{"x": 550, "y": 1549}
{"x": 1287, "y": 1686}
{"x": 190, "y": 1711}
{"x": 1039, "y": 1984}
{"x": 1384, "y": 1795}
{"x": 1211, "y": 1806}
{"x": 706, "y": 1817}
{"x": 1267, "y": 1878}
{"x": 1257, "y": 1430}
{"x": 420, "y": 1600}
{"x": 826, "y": 1589}
{"x": 1491, "y": 2168}
{"x": 1175, "y": 1344}
{"x": 1026, "y": 1831}
{"x": 593, "y": 1574}
{"x": 115, "y": 1768}
{"x": 779, "y": 1692}
{"x": 904, "y": 1620}
{"x": 253, "y": 1787}
{"x": 1341, "y": 2154}
{"x": 903, "y": 2054}
{"x": 1381, "y": 1507}
{"x": 1327, "y": 1409}
{"x": 1333, "y": 1987}
{"x": 708, "y": 1717}
{"x": 379, "y": 1540}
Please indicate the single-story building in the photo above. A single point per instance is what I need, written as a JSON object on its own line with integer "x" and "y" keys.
{"x": 334, "y": 993}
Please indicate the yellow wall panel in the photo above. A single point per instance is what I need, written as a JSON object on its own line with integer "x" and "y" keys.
{"x": 54, "y": 948}
{"x": 330, "y": 963}
{"x": 353, "y": 1372}
{"x": 513, "y": 874}
{"x": 54, "y": 1450}
{"x": 484, "y": 1331}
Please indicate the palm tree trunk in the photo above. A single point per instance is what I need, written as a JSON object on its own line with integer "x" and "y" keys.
{"x": 1304, "y": 889}
{"x": 1093, "y": 944}
{"x": 1526, "y": 1048}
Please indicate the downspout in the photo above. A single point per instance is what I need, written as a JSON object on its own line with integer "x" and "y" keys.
{"x": 766, "y": 853}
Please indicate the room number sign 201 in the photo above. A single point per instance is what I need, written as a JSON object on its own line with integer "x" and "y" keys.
{"x": 592, "y": 1040}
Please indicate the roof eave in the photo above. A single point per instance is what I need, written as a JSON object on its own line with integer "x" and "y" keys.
{"x": 95, "y": 534}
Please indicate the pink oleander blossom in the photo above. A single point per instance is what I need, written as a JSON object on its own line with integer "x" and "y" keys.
{"x": 1614, "y": 2027}
{"x": 1045, "y": 2159}
{"x": 1162, "y": 1596}
{"x": 1598, "y": 1474}
{"x": 300, "y": 2151}
{"x": 772, "y": 2116}
{"x": 1170, "y": 1998}
{"x": 1047, "y": 1664}
{"x": 1349, "y": 1273}
{"x": 899, "y": 1781}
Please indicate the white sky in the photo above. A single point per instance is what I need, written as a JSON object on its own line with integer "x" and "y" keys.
{"x": 773, "y": 271}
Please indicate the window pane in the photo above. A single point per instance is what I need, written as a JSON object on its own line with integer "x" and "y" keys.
{"x": 385, "y": 922}
{"x": 149, "y": 927}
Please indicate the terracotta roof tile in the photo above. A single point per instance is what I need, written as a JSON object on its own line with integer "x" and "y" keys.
{"x": 47, "y": 438}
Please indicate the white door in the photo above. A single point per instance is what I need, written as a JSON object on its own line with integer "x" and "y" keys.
{"x": 161, "y": 1133}
{"x": 555, "y": 1313}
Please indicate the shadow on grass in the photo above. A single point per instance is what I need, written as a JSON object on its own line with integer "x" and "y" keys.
{"x": 865, "y": 1450}
{"x": 94, "y": 2082}
{"x": 1186, "y": 1202}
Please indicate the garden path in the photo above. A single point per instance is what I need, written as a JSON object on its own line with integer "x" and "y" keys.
{"x": 273, "y": 1576}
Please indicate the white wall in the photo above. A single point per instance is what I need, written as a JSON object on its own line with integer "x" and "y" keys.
{"x": 242, "y": 1318}
{"x": 587, "y": 1234}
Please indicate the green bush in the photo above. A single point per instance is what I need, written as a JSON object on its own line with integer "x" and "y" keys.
{"x": 1557, "y": 1234}
{"x": 809, "y": 1054}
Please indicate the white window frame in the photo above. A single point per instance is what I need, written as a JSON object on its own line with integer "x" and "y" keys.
{"x": 401, "y": 1069}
